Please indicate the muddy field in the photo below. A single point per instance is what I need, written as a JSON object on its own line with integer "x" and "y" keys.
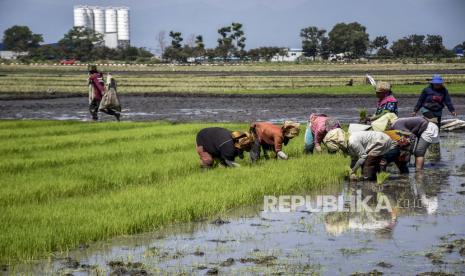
{"x": 423, "y": 235}
{"x": 187, "y": 108}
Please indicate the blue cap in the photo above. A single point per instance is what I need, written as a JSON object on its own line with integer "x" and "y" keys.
{"x": 437, "y": 80}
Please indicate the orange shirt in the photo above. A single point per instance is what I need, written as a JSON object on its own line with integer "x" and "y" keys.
{"x": 269, "y": 134}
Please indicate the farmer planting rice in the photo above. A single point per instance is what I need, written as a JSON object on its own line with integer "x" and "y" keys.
{"x": 221, "y": 144}
{"x": 387, "y": 103}
{"x": 433, "y": 99}
{"x": 317, "y": 127}
{"x": 96, "y": 93}
{"x": 269, "y": 136}
{"x": 370, "y": 150}
{"x": 425, "y": 133}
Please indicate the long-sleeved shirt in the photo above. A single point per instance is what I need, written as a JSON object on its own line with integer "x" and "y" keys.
{"x": 318, "y": 127}
{"x": 434, "y": 100}
{"x": 218, "y": 142}
{"x": 364, "y": 143}
{"x": 414, "y": 125}
{"x": 387, "y": 104}
{"x": 269, "y": 134}
{"x": 96, "y": 86}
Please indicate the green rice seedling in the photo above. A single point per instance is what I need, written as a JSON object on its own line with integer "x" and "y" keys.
{"x": 68, "y": 183}
{"x": 381, "y": 177}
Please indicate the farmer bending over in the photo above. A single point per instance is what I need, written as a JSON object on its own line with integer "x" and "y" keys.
{"x": 317, "y": 127}
{"x": 272, "y": 137}
{"x": 425, "y": 133}
{"x": 433, "y": 99}
{"x": 366, "y": 148}
{"x": 221, "y": 144}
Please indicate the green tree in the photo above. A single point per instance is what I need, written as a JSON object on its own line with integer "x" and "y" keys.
{"x": 418, "y": 45}
{"x": 21, "y": 38}
{"x": 231, "y": 41}
{"x": 380, "y": 42}
{"x": 314, "y": 41}
{"x": 199, "y": 49}
{"x": 349, "y": 38}
{"x": 46, "y": 52}
{"x": 265, "y": 53}
{"x": 79, "y": 43}
{"x": 176, "y": 39}
{"x": 175, "y": 52}
{"x": 402, "y": 48}
{"x": 434, "y": 45}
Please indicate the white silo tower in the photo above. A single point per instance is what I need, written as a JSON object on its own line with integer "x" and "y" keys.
{"x": 110, "y": 20}
{"x": 90, "y": 18}
{"x": 80, "y": 17}
{"x": 99, "y": 20}
{"x": 111, "y": 28}
{"x": 123, "y": 26}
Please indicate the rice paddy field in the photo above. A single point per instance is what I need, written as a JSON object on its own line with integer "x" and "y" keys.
{"x": 232, "y": 79}
{"x": 68, "y": 183}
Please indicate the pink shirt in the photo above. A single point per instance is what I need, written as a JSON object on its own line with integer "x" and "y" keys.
{"x": 318, "y": 127}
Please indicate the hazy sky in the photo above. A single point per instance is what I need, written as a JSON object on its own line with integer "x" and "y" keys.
{"x": 266, "y": 22}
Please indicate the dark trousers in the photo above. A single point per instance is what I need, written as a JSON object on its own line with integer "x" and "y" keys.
{"x": 394, "y": 155}
{"x": 93, "y": 108}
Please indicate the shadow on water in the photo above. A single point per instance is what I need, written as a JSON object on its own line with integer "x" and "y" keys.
{"x": 422, "y": 231}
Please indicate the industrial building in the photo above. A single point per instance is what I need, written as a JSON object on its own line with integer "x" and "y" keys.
{"x": 112, "y": 22}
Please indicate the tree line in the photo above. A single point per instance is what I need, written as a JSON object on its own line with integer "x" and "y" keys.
{"x": 78, "y": 43}
{"x": 349, "y": 39}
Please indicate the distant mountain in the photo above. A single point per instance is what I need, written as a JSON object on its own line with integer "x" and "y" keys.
{"x": 1, "y": 46}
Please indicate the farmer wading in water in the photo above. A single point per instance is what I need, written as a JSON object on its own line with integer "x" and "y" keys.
{"x": 96, "y": 92}
{"x": 433, "y": 99}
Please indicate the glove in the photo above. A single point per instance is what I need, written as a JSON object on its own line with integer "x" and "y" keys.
{"x": 282, "y": 155}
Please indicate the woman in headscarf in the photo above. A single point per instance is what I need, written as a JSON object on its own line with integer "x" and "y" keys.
{"x": 221, "y": 144}
{"x": 269, "y": 136}
{"x": 96, "y": 92}
{"x": 433, "y": 99}
{"x": 387, "y": 103}
{"x": 366, "y": 148}
{"x": 317, "y": 127}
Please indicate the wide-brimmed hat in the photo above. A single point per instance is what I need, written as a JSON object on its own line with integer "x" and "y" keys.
{"x": 335, "y": 140}
{"x": 383, "y": 86}
{"x": 242, "y": 140}
{"x": 437, "y": 79}
{"x": 291, "y": 129}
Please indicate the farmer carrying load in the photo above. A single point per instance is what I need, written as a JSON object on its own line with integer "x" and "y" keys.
{"x": 433, "y": 99}
{"x": 317, "y": 127}
{"x": 368, "y": 150}
{"x": 221, "y": 144}
{"x": 425, "y": 133}
{"x": 96, "y": 92}
{"x": 387, "y": 103}
{"x": 272, "y": 137}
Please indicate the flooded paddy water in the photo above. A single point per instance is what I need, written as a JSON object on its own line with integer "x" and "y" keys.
{"x": 423, "y": 232}
{"x": 218, "y": 108}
